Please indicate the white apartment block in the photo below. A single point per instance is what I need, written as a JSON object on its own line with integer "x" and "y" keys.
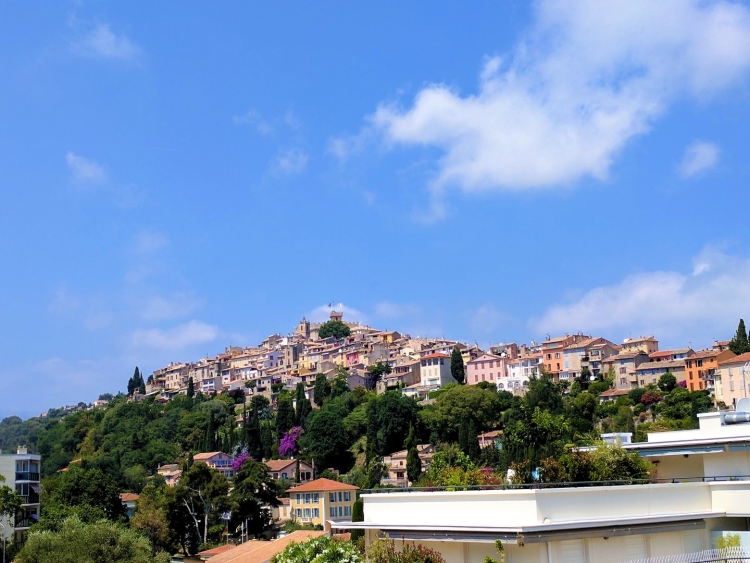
{"x": 21, "y": 471}
{"x": 705, "y": 491}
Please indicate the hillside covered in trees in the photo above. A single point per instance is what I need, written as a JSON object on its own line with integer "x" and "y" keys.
{"x": 90, "y": 456}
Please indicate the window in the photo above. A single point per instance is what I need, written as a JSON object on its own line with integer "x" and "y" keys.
{"x": 347, "y": 496}
{"x": 691, "y": 387}
{"x": 699, "y": 363}
{"x": 315, "y": 498}
{"x": 341, "y": 510}
{"x": 731, "y": 385}
{"x": 623, "y": 370}
{"x": 549, "y": 356}
{"x": 347, "y": 511}
{"x": 339, "y": 496}
{"x": 332, "y": 512}
{"x": 307, "y": 513}
{"x": 283, "y": 475}
{"x": 298, "y": 498}
{"x": 307, "y": 498}
{"x": 557, "y": 355}
{"x": 316, "y": 513}
{"x": 299, "y": 513}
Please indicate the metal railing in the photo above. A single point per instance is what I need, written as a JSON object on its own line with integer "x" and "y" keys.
{"x": 23, "y": 522}
{"x": 27, "y": 476}
{"x": 562, "y": 484}
{"x": 726, "y": 555}
{"x": 31, "y": 498}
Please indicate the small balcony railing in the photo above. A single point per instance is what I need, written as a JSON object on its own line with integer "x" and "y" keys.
{"x": 23, "y": 522}
{"x": 31, "y": 498}
{"x": 27, "y": 476}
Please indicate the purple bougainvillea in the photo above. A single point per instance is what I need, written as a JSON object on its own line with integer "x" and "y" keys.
{"x": 288, "y": 444}
{"x": 239, "y": 461}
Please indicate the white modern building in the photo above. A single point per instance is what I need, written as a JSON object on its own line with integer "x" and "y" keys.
{"x": 21, "y": 471}
{"x": 703, "y": 490}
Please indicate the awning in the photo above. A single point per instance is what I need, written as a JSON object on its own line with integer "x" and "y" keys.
{"x": 36, "y": 488}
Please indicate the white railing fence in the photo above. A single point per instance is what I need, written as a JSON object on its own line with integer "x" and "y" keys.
{"x": 727, "y": 555}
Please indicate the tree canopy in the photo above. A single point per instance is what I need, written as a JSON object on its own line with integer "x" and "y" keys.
{"x": 334, "y": 328}
{"x": 740, "y": 344}
{"x": 80, "y": 542}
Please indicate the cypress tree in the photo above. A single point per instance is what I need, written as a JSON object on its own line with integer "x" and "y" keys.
{"x": 372, "y": 450}
{"x": 303, "y": 405}
{"x": 358, "y": 515}
{"x": 472, "y": 442}
{"x": 463, "y": 443}
{"x": 457, "y": 366}
{"x": 190, "y": 389}
{"x": 739, "y": 344}
{"x": 285, "y": 416}
{"x": 413, "y": 463}
{"x": 321, "y": 390}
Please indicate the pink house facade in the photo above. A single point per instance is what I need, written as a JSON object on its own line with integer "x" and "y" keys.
{"x": 486, "y": 367}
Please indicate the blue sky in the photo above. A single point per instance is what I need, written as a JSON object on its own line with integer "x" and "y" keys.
{"x": 181, "y": 177}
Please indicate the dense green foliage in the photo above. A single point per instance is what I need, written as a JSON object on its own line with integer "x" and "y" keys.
{"x": 334, "y": 328}
{"x": 119, "y": 447}
{"x": 457, "y": 366}
{"x": 80, "y": 542}
{"x": 740, "y": 344}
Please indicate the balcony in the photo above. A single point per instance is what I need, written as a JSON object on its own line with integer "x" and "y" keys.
{"x": 23, "y": 522}
{"x": 31, "y": 498}
{"x": 27, "y": 476}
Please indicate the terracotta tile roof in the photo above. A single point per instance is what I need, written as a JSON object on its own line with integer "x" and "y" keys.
{"x": 741, "y": 359}
{"x": 279, "y": 464}
{"x": 624, "y": 356}
{"x": 261, "y": 551}
{"x": 217, "y": 550}
{"x": 666, "y": 353}
{"x": 700, "y": 354}
{"x": 614, "y": 393}
{"x": 431, "y": 356}
{"x": 582, "y": 343}
{"x": 662, "y": 364}
{"x": 322, "y": 484}
{"x": 205, "y": 455}
{"x": 128, "y": 497}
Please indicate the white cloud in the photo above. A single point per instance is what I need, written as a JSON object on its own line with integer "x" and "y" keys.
{"x": 184, "y": 335}
{"x": 587, "y": 77}
{"x": 84, "y": 170}
{"x": 389, "y": 310}
{"x": 699, "y": 156}
{"x": 64, "y": 302}
{"x": 176, "y": 305}
{"x": 102, "y": 43}
{"x": 148, "y": 242}
{"x": 486, "y": 319}
{"x": 699, "y": 306}
{"x": 253, "y": 118}
{"x": 291, "y": 161}
{"x": 321, "y": 314}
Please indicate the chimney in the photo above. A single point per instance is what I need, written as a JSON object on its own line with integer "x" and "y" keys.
{"x": 21, "y": 450}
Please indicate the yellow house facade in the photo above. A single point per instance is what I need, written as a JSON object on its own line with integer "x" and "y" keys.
{"x": 321, "y": 500}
